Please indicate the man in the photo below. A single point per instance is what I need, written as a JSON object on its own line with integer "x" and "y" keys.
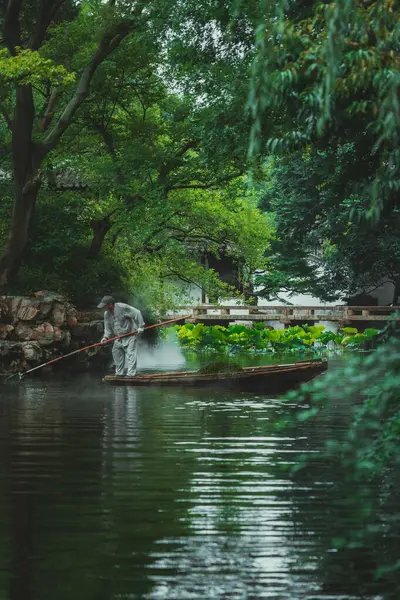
{"x": 119, "y": 319}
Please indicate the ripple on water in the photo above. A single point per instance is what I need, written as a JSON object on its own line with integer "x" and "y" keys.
{"x": 121, "y": 493}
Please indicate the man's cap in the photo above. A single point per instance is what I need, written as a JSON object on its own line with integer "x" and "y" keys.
{"x": 105, "y": 301}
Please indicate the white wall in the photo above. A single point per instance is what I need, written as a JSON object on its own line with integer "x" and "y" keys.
{"x": 297, "y": 300}
{"x": 384, "y": 294}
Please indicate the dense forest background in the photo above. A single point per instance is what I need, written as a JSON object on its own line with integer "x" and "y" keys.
{"x": 139, "y": 138}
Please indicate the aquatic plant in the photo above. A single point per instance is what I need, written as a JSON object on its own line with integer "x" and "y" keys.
{"x": 309, "y": 339}
{"x": 228, "y": 366}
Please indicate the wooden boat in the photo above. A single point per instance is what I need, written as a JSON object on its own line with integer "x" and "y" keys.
{"x": 274, "y": 378}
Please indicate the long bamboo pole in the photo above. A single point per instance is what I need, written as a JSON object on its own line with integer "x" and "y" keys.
{"x": 97, "y": 345}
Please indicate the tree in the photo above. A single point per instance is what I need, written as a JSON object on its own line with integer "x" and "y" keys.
{"x": 36, "y": 127}
{"x": 143, "y": 183}
{"x": 328, "y": 75}
{"x": 326, "y": 82}
{"x": 144, "y": 149}
{"x": 319, "y": 248}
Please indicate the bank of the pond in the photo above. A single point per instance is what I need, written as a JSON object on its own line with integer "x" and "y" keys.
{"x": 36, "y": 329}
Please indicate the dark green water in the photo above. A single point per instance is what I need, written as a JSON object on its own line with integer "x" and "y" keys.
{"x": 117, "y": 493}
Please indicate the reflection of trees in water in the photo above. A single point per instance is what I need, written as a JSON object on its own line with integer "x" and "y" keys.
{"x": 44, "y": 474}
{"x": 17, "y": 510}
{"x": 238, "y": 519}
{"x": 90, "y": 477}
{"x": 108, "y": 492}
{"x": 346, "y": 518}
{"x": 144, "y": 471}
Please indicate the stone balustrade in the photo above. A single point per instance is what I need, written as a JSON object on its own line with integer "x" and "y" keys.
{"x": 289, "y": 314}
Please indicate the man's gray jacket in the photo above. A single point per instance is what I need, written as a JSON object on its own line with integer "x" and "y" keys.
{"x": 124, "y": 320}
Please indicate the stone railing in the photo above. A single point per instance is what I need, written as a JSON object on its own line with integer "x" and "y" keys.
{"x": 289, "y": 314}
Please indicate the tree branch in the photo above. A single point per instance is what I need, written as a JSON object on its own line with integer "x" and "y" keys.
{"x": 48, "y": 115}
{"x": 144, "y": 107}
{"x": 161, "y": 227}
{"x": 188, "y": 146}
{"x": 12, "y": 34}
{"x": 173, "y": 273}
{"x": 175, "y": 162}
{"x": 204, "y": 186}
{"x": 110, "y": 42}
{"x": 43, "y": 20}
{"x": 120, "y": 88}
{"x": 115, "y": 235}
{"x": 109, "y": 143}
{"x": 368, "y": 290}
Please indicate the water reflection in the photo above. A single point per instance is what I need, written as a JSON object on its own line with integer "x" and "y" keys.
{"x": 110, "y": 493}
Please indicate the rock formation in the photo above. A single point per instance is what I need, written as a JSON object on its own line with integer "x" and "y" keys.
{"x": 33, "y": 330}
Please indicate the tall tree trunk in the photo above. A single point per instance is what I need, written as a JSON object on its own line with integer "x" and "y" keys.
{"x": 28, "y": 155}
{"x": 10, "y": 261}
{"x": 100, "y": 229}
{"x": 26, "y": 163}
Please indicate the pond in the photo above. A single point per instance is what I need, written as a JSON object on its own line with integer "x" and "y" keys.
{"x": 122, "y": 493}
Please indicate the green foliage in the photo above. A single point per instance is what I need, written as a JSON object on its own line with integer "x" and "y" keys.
{"x": 239, "y": 338}
{"x": 370, "y": 442}
{"x": 160, "y": 164}
{"x": 163, "y": 174}
{"x": 29, "y": 67}
{"x": 323, "y": 245}
{"x": 324, "y": 100}
{"x": 367, "y": 456}
{"x": 56, "y": 258}
{"x": 329, "y": 75}
{"x": 221, "y": 367}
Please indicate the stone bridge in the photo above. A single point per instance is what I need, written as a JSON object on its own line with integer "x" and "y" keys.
{"x": 289, "y": 315}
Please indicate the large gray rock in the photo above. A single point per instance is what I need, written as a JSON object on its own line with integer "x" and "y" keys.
{"x": 44, "y": 334}
{"x": 4, "y": 310}
{"x": 5, "y": 331}
{"x": 59, "y": 314}
{"x": 90, "y": 332}
{"x": 23, "y": 332}
{"x": 24, "y": 309}
{"x": 50, "y": 297}
{"x": 62, "y": 336}
{"x": 35, "y": 329}
{"x": 33, "y": 353}
{"x": 12, "y": 357}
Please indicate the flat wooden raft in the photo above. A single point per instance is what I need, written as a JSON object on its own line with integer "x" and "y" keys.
{"x": 195, "y": 377}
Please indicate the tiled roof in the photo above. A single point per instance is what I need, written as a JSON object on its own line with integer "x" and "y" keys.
{"x": 69, "y": 180}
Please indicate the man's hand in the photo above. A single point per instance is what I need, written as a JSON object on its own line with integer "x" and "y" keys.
{"x": 140, "y": 330}
{"x": 104, "y": 340}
